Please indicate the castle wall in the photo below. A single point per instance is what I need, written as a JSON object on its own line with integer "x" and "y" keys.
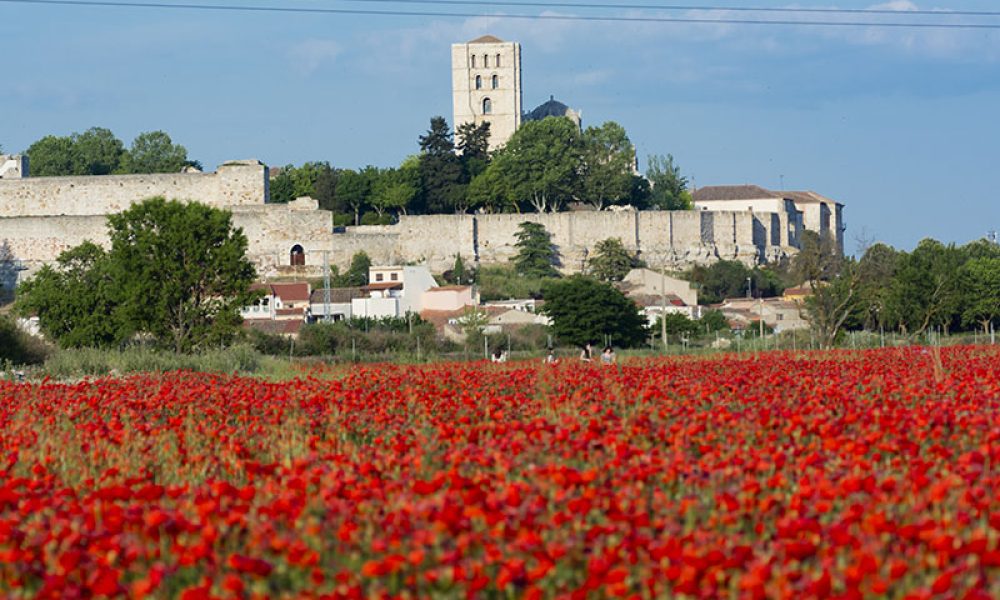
{"x": 234, "y": 184}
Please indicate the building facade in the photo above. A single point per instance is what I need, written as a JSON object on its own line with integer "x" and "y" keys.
{"x": 486, "y": 86}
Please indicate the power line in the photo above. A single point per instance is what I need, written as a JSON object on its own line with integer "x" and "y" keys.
{"x": 543, "y": 17}
{"x": 678, "y": 7}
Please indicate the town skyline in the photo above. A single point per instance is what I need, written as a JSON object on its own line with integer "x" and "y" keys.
{"x": 897, "y": 126}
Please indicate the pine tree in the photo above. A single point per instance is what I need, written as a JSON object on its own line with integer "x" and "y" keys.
{"x": 535, "y": 256}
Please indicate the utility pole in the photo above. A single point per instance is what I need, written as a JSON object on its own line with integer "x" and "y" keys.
{"x": 663, "y": 308}
{"x": 326, "y": 285}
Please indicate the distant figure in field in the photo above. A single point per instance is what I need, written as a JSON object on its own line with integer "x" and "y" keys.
{"x": 586, "y": 353}
{"x": 608, "y": 356}
{"x": 499, "y": 356}
{"x": 550, "y": 358}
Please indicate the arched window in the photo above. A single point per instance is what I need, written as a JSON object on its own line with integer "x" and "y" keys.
{"x": 486, "y": 61}
{"x": 487, "y": 106}
{"x": 298, "y": 256}
{"x": 479, "y": 82}
{"x": 496, "y": 82}
{"x": 473, "y": 61}
{"x": 497, "y": 61}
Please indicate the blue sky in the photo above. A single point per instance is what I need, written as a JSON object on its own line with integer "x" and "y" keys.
{"x": 900, "y": 125}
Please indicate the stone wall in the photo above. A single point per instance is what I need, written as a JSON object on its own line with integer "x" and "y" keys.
{"x": 234, "y": 184}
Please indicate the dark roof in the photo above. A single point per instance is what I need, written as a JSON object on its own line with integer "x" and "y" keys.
{"x": 809, "y": 197}
{"x": 385, "y": 285}
{"x": 487, "y": 39}
{"x": 733, "y": 192}
{"x": 655, "y": 300}
{"x": 337, "y": 295}
{"x": 552, "y": 108}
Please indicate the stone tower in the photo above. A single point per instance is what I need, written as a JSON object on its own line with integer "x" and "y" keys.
{"x": 486, "y": 86}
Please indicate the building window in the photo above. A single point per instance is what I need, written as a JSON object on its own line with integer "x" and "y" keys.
{"x": 487, "y": 106}
{"x": 497, "y": 61}
{"x": 297, "y": 257}
{"x": 479, "y": 82}
{"x": 486, "y": 61}
{"x": 378, "y": 277}
{"x": 473, "y": 61}
{"x": 394, "y": 276}
{"x": 496, "y": 82}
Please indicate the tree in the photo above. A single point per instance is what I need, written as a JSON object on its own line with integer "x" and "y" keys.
{"x": 584, "y": 310}
{"x": 154, "y": 152}
{"x": 441, "y": 175}
{"x": 980, "y": 278}
{"x": 53, "y": 156}
{"x": 876, "y": 270}
{"x": 182, "y": 271}
{"x": 391, "y": 191}
{"x": 77, "y": 301}
{"x": 357, "y": 273}
{"x": 536, "y": 256}
{"x": 490, "y": 192}
{"x": 606, "y": 174}
{"x": 282, "y": 185}
{"x": 925, "y": 291}
{"x": 728, "y": 279}
{"x": 818, "y": 260}
{"x": 97, "y": 152}
{"x": 611, "y": 261}
{"x": 474, "y": 140}
{"x": 541, "y": 162}
{"x": 669, "y": 187}
{"x": 352, "y": 191}
{"x": 833, "y": 303}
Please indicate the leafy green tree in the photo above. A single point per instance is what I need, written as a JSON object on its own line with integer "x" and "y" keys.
{"x": 352, "y": 191}
{"x": 606, "y": 170}
{"x": 669, "y": 187}
{"x": 728, "y": 279}
{"x": 541, "y": 163}
{"x": 97, "y": 152}
{"x": 459, "y": 274}
{"x": 392, "y": 192}
{"x": 611, "y": 261}
{"x": 442, "y": 182}
{"x": 357, "y": 273}
{"x": 282, "y": 186}
{"x": 876, "y": 270}
{"x": 78, "y": 301}
{"x": 154, "y": 152}
{"x": 53, "y": 156}
{"x": 818, "y": 260}
{"x": 474, "y": 140}
{"x": 182, "y": 271}
{"x": 833, "y": 304}
{"x": 536, "y": 256}
{"x": 679, "y": 324}
{"x": 490, "y": 192}
{"x": 926, "y": 291}
{"x": 980, "y": 280}
{"x": 584, "y": 310}
{"x": 713, "y": 320}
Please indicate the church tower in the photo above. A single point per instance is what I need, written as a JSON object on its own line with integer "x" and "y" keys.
{"x": 486, "y": 86}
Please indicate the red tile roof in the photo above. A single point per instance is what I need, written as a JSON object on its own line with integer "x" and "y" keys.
{"x": 387, "y": 285}
{"x": 291, "y": 292}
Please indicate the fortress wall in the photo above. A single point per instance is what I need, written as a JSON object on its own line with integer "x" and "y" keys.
{"x": 39, "y": 240}
{"x": 234, "y": 184}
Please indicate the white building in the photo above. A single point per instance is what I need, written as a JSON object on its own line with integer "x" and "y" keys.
{"x": 486, "y": 86}
{"x": 393, "y": 292}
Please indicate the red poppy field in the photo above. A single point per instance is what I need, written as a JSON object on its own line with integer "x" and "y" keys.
{"x": 785, "y": 475}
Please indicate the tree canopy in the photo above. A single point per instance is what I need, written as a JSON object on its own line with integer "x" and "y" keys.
{"x": 176, "y": 272}
{"x": 585, "y": 310}
{"x": 611, "y": 261}
{"x": 669, "y": 187}
{"x": 536, "y": 256}
{"x": 97, "y": 151}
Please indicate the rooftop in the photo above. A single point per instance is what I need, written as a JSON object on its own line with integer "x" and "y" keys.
{"x": 733, "y": 192}
{"x": 487, "y": 39}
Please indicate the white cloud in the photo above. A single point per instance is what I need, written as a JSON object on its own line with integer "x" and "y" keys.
{"x": 309, "y": 55}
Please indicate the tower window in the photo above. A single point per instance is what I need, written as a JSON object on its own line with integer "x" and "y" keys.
{"x": 297, "y": 257}
{"x": 496, "y": 82}
{"x": 497, "y": 61}
{"x": 486, "y": 61}
{"x": 479, "y": 82}
{"x": 473, "y": 61}
{"x": 487, "y": 106}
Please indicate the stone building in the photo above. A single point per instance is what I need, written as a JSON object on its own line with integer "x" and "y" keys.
{"x": 486, "y": 86}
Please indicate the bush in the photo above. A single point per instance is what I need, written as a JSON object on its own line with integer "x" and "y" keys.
{"x": 18, "y": 347}
{"x": 504, "y": 283}
{"x": 370, "y": 218}
{"x": 82, "y": 362}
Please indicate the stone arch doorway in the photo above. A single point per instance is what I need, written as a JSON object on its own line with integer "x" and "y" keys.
{"x": 297, "y": 257}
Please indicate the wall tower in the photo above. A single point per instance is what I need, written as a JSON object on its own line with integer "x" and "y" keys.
{"x": 486, "y": 86}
